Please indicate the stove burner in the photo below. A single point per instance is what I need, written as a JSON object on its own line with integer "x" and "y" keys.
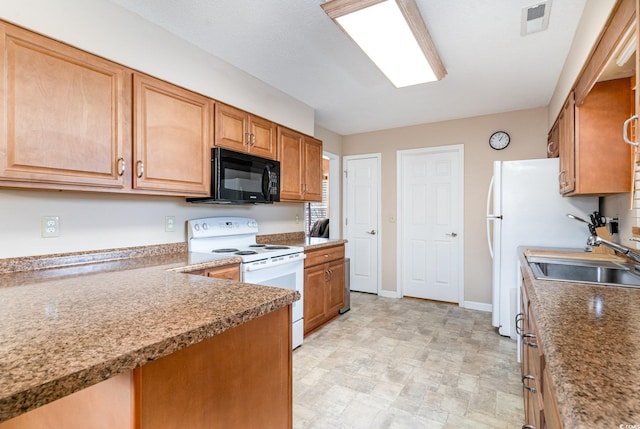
{"x": 257, "y": 245}
{"x": 276, "y": 247}
{"x": 224, "y": 250}
{"x": 246, "y": 252}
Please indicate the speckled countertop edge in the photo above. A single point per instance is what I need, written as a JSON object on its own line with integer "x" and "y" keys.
{"x": 588, "y": 335}
{"x": 237, "y": 303}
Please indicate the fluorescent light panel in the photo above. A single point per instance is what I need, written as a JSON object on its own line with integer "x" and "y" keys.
{"x": 382, "y": 31}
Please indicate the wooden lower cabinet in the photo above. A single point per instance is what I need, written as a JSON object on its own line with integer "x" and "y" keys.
{"x": 226, "y": 272}
{"x": 241, "y": 378}
{"x": 106, "y": 405}
{"x": 238, "y": 379}
{"x": 323, "y": 286}
{"x": 540, "y": 407}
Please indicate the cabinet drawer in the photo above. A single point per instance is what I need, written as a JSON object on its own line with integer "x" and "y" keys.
{"x": 321, "y": 256}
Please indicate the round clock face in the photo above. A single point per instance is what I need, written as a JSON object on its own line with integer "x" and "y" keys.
{"x": 499, "y": 140}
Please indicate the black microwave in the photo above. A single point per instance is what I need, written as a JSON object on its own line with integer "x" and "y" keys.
{"x": 240, "y": 178}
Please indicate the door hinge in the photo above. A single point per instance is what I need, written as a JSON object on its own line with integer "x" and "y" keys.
{"x": 346, "y": 221}
{"x": 346, "y": 173}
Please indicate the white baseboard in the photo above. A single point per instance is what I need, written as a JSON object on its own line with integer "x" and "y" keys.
{"x": 472, "y": 305}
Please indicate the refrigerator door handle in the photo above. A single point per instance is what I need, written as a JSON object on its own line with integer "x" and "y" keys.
{"x": 490, "y": 217}
{"x": 489, "y": 196}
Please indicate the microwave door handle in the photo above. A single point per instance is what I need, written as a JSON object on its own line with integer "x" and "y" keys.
{"x": 266, "y": 182}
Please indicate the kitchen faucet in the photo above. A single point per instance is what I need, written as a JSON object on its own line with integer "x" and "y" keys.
{"x": 594, "y": 240}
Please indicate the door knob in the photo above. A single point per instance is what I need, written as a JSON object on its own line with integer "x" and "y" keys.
{"x": 452, "y": 234}
{"x": 372, "y": 232}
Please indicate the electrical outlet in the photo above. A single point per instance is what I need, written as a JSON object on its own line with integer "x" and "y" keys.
{"x": 297, "y": 219}
{"x": 169, "y": 223}
{"x": 50, "y": 226}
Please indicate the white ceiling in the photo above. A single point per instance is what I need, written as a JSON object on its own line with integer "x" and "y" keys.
{"x": 293, "y": 46}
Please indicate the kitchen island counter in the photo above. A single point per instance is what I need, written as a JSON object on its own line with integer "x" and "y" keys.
{"x": 589, "y": 338}
{"x": 68, "y": 328}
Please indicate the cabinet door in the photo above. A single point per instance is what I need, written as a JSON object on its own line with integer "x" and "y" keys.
{"x": 315, "y": 280}
{"x": 567, "y": 146}
{"x": 336, "y": 288}
{"x": 602, "y": 160}
{"x": 231, "y": 128}
{"x": 64, "y": 119}
{"x": 231, "y": 272}
{"x": 312, "y": 169}
{"x": 291, "y": 156}
{"x": 263, "y": 138}
{"x": 172, "y": 138}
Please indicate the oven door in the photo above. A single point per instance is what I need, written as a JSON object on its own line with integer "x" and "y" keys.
{"x": 288, "y": 275}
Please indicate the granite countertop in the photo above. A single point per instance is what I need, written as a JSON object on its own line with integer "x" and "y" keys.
{"x": 589, "y": 336}
{"x": 98, "y": 314}
{"x": 299, "y": 239}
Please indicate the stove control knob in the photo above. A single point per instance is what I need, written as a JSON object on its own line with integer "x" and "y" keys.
{"x": 196, "y": 227}
{"x": 205, "y": 226}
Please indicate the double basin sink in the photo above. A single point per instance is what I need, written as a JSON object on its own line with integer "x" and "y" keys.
{"x": 605, "y": 273}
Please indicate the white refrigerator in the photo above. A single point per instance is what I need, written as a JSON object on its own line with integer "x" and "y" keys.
{"x": 525, "y": 208}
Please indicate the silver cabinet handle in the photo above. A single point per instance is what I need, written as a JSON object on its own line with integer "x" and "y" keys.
{"x": 121, "y": 166}
{"x": 140, "y": 167}
{"x": 563, "y": 183}
{"x": 625, "y": 130}
{"x": 524, "y": 383}
{"x": 452, "y": 234}
{"x": 372, "y": 232}
{"x": 519, "y": 318}
{"x": 253, "y": 139}
{"x": 531, "y": 344}
{"x": 549, "y": 146}
{"x": 247, "y": 139}
{"x": 528, "y": 427}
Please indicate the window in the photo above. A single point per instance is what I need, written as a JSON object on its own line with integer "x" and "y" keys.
{"x": 318, "y": 210}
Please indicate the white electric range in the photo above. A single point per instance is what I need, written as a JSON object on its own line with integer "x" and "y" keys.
{"x": 263, "y": 264}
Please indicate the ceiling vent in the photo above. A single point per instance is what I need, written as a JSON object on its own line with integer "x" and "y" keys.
{"x": 535, "y": 18}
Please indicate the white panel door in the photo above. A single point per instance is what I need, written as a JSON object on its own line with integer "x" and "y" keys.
{"x": 361, "y": 221}
{"x": 430, "y": 188}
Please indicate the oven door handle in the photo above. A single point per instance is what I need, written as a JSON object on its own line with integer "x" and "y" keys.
{"x": 253, "y": 266}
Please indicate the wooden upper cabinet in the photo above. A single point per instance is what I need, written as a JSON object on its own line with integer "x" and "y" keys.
{"x": 602, "y": 159}
{"x": 291, "y": 157}
{"x": 300, "y": 159}
{"x": 238, "y": 130}
{"x": 312, "y": 169}
{"x": 65, "y": 115}
{"x": 594, "y": 159}
{"x": 172, "y": 138}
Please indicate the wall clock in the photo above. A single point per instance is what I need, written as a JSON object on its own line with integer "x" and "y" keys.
{"x": 499, "y": 140}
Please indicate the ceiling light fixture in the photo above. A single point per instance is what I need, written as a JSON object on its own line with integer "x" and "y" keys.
{"x": 393, "y": 34}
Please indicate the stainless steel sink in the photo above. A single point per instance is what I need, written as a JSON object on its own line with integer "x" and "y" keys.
{"x": 581, "y": 271}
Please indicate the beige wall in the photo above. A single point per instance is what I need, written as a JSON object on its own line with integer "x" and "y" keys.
{"x": 527, "y": 129}
{"x": 331, "y": 142}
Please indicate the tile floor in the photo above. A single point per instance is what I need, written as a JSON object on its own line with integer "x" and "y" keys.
{"x": 406, "y": 363}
